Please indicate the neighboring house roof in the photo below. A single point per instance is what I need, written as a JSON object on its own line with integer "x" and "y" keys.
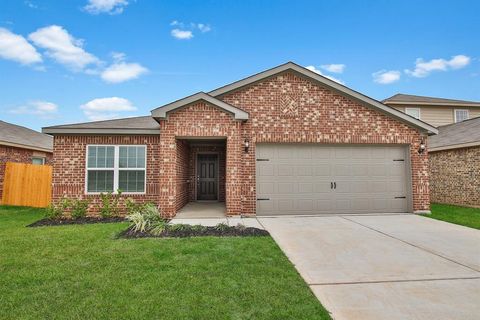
{"x": 290, "y": 66}
{"x": 161, "y": 112}
{"x": 21, "y": 137}
{"x": 149, "y": 126}
{"x": 135, "y": 125}
{"x": 458, "y": 135}
{"x": 401, "y": 98}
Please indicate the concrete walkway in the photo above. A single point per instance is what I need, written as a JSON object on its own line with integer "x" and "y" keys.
{"x": 385, "y": 266}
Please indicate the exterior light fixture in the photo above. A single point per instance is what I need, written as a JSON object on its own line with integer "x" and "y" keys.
{"x": 247, "y": 145}
{"x": 422, "y": 147}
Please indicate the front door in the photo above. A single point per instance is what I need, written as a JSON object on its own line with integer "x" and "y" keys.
{"x": 207, "y": 177}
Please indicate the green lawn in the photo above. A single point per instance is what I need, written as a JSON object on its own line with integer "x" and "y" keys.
{"x": 83, "y": 272}
{"x": 469, "y": 217}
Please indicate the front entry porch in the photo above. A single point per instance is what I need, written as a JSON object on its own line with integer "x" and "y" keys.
{"x": 200, "y": 178}
{"x": 201, "y": 210}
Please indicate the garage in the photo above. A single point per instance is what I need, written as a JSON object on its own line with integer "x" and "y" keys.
{"x": 310, "y": 179}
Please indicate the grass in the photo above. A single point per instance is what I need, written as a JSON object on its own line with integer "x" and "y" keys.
{"x": 83, "y": 272}
{"x": 469, "y": 217}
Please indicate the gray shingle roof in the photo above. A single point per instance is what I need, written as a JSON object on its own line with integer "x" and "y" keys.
{"x": 139, "y": 125}
{"x": 408, "y": 98}
{"x": 13, "y": 134}
{"x": 455, "y": 135}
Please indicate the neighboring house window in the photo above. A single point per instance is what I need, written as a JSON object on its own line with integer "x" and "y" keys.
{"x": 112, "y": 168}
{"x": 461, "y": 115}
{"x": 38, "y": 160}
{"x": 414, "y": 112}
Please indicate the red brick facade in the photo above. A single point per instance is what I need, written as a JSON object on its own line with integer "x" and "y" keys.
{"x": 455, "y": 176}
{"x": 14, "y": 154}
{"x": 285, "y": 108}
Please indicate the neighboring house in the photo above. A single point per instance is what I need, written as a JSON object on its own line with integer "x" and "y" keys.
{"x": 20, "y": 144}
{"x": 455, "y": 164}
{"x": 435, "y": 111}
{"x": 284, "y": 141}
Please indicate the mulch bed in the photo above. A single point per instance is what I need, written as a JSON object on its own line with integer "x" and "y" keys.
{"x": 209, "y": 231}
{"x": 63, "y": 222}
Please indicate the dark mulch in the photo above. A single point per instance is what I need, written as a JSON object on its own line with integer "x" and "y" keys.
{"x": 86, "y": 220}
{"x": 209, "y": 231}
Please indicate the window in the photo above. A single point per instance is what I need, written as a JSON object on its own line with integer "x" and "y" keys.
{"x": 110, "y": 168}
{"x": 461, "y": 115}
{"x": 38, "y": 160}
{"x": 414, "y": 112}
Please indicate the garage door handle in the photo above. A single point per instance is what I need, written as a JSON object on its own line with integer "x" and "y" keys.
{"x": 334, "y": 185}
{"x": 262, "y": 199}
{"x": 331, "y": 185}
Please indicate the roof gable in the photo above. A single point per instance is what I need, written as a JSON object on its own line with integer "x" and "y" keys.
{"x": 17, "y": 136}
{"x": 313, "y": 76}
{"x": 161, "y": 112}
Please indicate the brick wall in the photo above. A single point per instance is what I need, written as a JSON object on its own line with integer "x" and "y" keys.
{"x": 69, "y": 166}
{"x": 289, "y": 108}
{"x": 13, "y": 154}
{"x": 455, "y": 176}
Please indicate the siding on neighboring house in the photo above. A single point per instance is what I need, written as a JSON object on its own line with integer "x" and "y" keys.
{"x": 14, "y": 154}
{"x": 455, "y": 176}
{"x": 439, "y": 115}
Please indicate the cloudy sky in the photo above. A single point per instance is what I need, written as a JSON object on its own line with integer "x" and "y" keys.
{"x": 84, "y": 60}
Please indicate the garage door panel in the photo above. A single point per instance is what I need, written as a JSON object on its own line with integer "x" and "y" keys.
{"x": 297, "y": 178}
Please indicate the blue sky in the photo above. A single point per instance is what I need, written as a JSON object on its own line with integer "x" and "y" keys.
{"x": 75, "y": 61}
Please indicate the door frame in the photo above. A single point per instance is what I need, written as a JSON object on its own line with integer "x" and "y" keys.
{"x": 217, "y": 175}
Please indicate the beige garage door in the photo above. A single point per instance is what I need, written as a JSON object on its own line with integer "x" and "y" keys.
{"x": 307, "y": 179}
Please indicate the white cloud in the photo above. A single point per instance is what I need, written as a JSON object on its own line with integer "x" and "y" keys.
{"x": 386, "y": 77}
{"x": 203, "y": 27}
{"x": 182, "y": 34}
{"x": 105, "y": 6}
{"x": 42, "y": 109}
{"x": 63, "y": 47}
{"x": 424, "y": 68}
{"x": 312, "y": 68}
{"x": 15, "y": 47}
{"x": 106, "y": 108}
{"x": 30, "y": 4}
{"x": 122, "y": 71}
{"x": 334, "y": 67}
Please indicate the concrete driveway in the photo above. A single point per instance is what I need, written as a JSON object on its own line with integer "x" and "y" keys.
{"x": 385, "y": 266}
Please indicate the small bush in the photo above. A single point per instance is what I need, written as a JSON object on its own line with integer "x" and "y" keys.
{"x": 109, "y": 205}
{"x": 222, "y": 227}
{"x": 53, "y": 212}
{"x": 79, "y": 208}
{"x": 199, "y": 228}
{"x": 147, "y": 220}
{"x": 179, "y": 227}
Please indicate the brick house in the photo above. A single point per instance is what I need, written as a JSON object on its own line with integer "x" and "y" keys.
{"x": 455, "y": 164}
{"x": 20, "y": 144}
{"x": 283, "y": 141}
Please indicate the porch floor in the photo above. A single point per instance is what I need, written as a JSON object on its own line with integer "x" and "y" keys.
{"x": 200, "y": 210}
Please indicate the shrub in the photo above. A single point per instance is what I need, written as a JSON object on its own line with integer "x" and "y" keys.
{"x": 179, "y": 227}
{"x": 199, "y": 228}
{"x": 79, "y": 208}
{"x": 222, "y": 227}
{"x": 147, "y": 219}
{"x": 53, "y": 212}
{"x": 109, "y": 205}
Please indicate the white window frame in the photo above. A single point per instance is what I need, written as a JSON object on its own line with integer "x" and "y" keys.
{"x": 116, "y": 168}
{"x": 455, "y": 114}
{"x": 417, "y": 109}
{"x": 42, "y": 158}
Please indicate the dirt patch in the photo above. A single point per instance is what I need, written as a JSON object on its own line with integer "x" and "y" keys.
{"x": 196, "y": 232}
{"x": 63, "y": 222}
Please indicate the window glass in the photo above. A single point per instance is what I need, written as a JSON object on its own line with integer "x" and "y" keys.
{"x": 101, "y": 156}
{"x": 38, "y": 160}
{"x": 414, "y": 112}
{"x": 461, "y": 115}
{"x": 100, "y": 181}
{"x": 132, "y": 157}
{"x": 132, "y": 180}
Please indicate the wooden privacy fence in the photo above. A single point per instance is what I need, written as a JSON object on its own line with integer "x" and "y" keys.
{"x": 27, "y": 185}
